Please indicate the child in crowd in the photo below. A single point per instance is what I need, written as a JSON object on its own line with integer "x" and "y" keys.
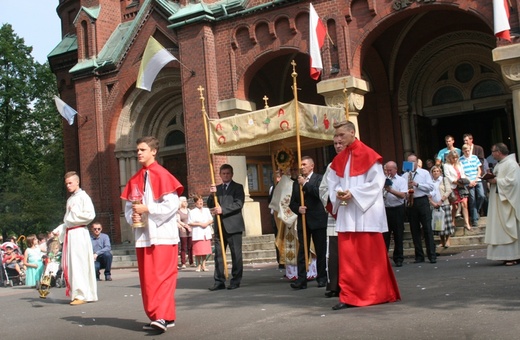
{"x": 12, "y": 260}
{"x": 33, "y": 261}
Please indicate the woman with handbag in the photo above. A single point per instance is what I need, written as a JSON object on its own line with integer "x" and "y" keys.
{"x": 454, "y": 171}
{"x": 442, "y": 221}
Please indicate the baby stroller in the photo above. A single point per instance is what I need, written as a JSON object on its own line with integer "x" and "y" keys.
{"x": 10, "y": 275}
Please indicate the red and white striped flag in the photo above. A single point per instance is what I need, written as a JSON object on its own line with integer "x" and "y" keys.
{"x": 501, "y": 19}
{"x": 317, "y": 33}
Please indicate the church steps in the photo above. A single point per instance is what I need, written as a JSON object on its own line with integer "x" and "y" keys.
{"x": 261, "y": 249}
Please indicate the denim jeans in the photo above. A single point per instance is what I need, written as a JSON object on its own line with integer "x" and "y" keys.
{"x": 475, "y": 201}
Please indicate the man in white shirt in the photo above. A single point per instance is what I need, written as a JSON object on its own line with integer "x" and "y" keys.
{"x": 394, "y": 193}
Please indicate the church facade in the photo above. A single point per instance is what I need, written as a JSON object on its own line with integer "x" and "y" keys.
{"x": 410, "y": 72}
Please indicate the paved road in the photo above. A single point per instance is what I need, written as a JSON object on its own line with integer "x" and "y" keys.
{"x": 463, "y": 296}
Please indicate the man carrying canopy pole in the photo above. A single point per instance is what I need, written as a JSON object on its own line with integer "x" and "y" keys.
{"x": 231, "y": 212}
{"x": 307, "y": 186}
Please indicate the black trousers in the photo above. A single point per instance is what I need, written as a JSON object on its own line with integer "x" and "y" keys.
{"x": 420, "y": 217}
{"x": 319, "y": 238}
{"x": 235, "y": 247}
{"x": 395, "y": 219}
{"x": 333, "y": 265}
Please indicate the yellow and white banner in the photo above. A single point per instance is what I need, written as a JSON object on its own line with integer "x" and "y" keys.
{"x": 259, "y": 131}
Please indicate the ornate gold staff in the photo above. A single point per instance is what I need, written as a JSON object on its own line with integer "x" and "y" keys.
{"x": 212, "y": 174}
{"x": 297, "y": 126}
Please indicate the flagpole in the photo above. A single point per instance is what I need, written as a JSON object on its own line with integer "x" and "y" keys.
{"x": 212, "y": 175}
{"x": 298, "y": 148}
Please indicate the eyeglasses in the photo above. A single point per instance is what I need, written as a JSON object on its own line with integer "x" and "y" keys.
{"x": 96, "y": 229}
{"x": 494, "y": 150}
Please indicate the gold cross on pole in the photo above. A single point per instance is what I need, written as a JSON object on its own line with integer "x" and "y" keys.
{"x": 265, "y": 102}
{"x": 200, "y": 89}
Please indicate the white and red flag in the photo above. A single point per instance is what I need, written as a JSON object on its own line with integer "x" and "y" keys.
{"x": 317, "y": 34}
{"x": 501, "y": 19}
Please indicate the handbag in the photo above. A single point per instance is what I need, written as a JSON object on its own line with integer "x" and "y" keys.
{"x": 438, "y": 219}
{"x": 452, "y": 198}
{"x": 463, "y": 192}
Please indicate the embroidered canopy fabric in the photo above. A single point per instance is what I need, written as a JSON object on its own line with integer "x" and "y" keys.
{"x": 262, "y": 132}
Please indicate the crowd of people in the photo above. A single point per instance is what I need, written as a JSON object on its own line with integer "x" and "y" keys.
{"x": 335, "y": 228}
{"x": 431, "y": 196}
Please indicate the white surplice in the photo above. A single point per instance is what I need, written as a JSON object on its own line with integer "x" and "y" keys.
{"x": 79, "y": 253}
{"x": 365, "y": 212}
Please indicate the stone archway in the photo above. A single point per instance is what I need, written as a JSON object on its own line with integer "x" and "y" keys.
{"x": 157, "y": 113}
{"x": 451, "y": 75}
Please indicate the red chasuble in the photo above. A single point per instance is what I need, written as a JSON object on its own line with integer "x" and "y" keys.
{"x": 161, "y": 180}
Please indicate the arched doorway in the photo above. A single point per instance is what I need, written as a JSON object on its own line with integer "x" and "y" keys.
{"x": 431, "y": 74}
{"x": 157, "y": 113}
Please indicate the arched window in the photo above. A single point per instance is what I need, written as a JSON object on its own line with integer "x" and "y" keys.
{"x": 175, "y": 137}
{"x": 84, "y": 31}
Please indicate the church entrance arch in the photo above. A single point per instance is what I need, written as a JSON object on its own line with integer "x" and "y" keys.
{"x": 454, "y": 87}
{"x": 157, "y": 113}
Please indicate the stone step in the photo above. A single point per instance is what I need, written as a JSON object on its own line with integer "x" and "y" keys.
{"x": 261, "y": 249}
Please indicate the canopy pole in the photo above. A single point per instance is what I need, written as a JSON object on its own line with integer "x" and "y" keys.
{"x": 345, "y": 94}
{"x": 298, "y": 148}
{"x": 212, "y": 175}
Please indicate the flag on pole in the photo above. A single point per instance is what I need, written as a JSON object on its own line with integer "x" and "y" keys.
{"x": 65, "y": 110}
{"x": 317, "y": 34}
{"x": 501, "y": 19}
{"x": 155, "y": 57}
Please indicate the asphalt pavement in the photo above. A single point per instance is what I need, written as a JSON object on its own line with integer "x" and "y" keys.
{"x": 462, "y": 296}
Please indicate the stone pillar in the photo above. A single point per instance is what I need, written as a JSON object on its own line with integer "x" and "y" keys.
{"x": 251, "y": 209}
{"x": 334, "y": 92}
{"x": 404, "y": 115}
{"x": 508, "y": 57}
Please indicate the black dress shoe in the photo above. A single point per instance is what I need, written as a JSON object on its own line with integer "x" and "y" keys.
{"x": 331, "y": 294}
{"x": 418, "y": 261}
{"x": 433, "y": 261}
{"x": 399, "y": 264}
{"x": 340, "y": 305}
{"x": 217, "y": 287}
{"x": 298, "y": 285}
{"x": 322, "y": 284}
{"x": 233, "y": 286}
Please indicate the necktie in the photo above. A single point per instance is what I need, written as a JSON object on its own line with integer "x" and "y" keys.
{"x": 145, "y": 177}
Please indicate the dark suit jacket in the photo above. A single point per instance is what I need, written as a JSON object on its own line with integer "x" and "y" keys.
{"x": 479, "y": 152}
{"x": 231, "y": 203}
{"x": 316, "y": 216}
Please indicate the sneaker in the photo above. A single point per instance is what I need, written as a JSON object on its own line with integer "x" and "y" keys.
{"x": 149, "y": 327}
{"x": 183, "y": 266}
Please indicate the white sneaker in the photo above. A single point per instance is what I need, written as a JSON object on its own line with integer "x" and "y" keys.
{"x": 149, "y": 327}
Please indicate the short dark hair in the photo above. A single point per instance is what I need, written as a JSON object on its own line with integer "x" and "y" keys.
{"x": 151, "y": 141}
{"x": 226, "y": 167}
{"x": 196, "y": 197}
{"x": 502, "y": 148}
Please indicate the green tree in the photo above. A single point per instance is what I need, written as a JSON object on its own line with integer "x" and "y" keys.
{"x": 31, "y": 152}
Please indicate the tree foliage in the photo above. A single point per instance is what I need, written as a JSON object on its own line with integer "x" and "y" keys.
{"x": 31, "y": 152}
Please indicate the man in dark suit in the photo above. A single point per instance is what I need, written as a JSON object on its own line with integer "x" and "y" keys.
{"x": 231, "y": 197}
{"x": 316, "y": 222}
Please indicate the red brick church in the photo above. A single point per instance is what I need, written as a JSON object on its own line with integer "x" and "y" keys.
{"x": 412, "y": 71}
